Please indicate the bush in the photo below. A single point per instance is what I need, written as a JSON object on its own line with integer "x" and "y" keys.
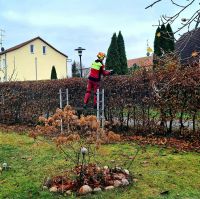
{"x": 147, "y": 102}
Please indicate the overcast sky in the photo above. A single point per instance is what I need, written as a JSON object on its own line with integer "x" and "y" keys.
{"x": 68, "y": 24}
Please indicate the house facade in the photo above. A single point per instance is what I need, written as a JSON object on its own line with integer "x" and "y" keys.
{"x": 32, "y": 60}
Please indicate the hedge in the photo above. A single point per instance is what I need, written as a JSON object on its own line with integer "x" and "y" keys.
{"x": 165, "y": 101}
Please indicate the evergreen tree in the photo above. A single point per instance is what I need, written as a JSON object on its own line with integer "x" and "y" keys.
{"x": 113, "y": 61}
{"x": 163, "y": 43}
{"x": 122, "y": 54}
{"x": 53, "y": 73}
{"x": 170, "y": 38}
{"x": 157, "y": 50}
{"x": 75, "y": 71}
{"x": 163, "y": 39}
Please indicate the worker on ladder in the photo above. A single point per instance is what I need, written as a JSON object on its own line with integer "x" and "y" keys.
{"x": 97, "y": 69}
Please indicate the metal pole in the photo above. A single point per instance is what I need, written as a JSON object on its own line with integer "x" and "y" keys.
{"x": 36, "y": 68}
{"x": 67, "y": 96}
{"x": 6, "y": 71}
{"x": 61, "y": 122}
{"x": 98, "y": 104}
{"x": 60, "y": 94}
{"x": 81, "y": 66}
{"x": 14, "y": 62}
{"x": 66, "y": 69}
{"x": 102, "y": 108}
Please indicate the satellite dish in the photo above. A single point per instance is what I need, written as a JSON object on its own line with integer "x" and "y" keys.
{"x": 2, "y": 49}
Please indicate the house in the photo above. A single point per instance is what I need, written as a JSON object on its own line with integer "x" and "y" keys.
{"x": 188, "y": 47}
{"x": 144, "y": 62}
{"x": 32, "y": 60}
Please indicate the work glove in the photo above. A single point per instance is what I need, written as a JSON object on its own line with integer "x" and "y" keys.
{"x": 112, "y": 72}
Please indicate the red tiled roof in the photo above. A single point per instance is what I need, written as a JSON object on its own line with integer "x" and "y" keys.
{"x": 141, "y": 61}
{"x": 27, "y": 42}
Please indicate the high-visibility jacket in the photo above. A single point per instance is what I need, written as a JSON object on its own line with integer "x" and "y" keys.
{"x": 97, "y": 69}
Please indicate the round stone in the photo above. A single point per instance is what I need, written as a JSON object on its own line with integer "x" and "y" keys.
{"x": 53, "y": 189}
{"x": 126, "y": 171}
{"x": 117, "y": 183}
{"x": 85, "y": 189}
{"x": 45, "y": 187}
{"x": 109, "y": 187}
{"x": 125, "y": 182}
{"x": 69, "y": 192}
{"x": 97, "y": 189}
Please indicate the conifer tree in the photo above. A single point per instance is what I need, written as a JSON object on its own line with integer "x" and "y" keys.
{"x": 122, "y": 54}
{"x": 53, "y": 73}
{"x": 163, "y": 39}
{"x": 170, "y": 38}
{"x": 157, "y": 50}
{"x": 113, "y": 61}
{"x": 75, "y": 71}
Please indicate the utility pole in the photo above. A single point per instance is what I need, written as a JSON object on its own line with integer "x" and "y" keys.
{"x": 3, "y": 66}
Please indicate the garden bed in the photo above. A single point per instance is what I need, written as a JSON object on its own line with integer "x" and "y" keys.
{"x": 89, "y": 178}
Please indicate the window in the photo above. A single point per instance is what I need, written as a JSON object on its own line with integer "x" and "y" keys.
{"x": 32, "y": 48}
{"x": 44, "y": 50}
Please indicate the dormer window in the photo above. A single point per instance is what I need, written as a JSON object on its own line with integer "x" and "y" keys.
{"x": 32, "y": 48}
{"x": 44, "y": 50}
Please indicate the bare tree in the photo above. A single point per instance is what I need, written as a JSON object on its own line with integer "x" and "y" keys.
{"x": 192, "y": 22}
{"x": 12, "y": 76}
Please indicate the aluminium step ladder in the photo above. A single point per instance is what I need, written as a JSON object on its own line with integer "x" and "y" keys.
{"x": 100, "y": 105}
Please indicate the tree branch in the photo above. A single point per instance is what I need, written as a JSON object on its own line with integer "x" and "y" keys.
{"x": 195, "y": 18}
{"x": 152, "y": 4}
{"x": 11, "y": 76}
{"x": 198, "y": 20}
{"x": 176, "y": 4}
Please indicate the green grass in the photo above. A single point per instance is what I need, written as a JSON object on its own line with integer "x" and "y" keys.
{"x": 156, "y": 169}
{"x": 155, "y": 113}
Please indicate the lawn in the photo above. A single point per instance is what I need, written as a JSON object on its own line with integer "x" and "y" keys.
{"x": 155, "y": 170}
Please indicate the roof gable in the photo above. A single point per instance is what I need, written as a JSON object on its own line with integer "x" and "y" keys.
{"x": 188, "y": 43}
{"x": 29, "y": 41}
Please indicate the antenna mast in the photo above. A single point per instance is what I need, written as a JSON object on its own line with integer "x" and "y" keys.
{"x": 2, "y": 34}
